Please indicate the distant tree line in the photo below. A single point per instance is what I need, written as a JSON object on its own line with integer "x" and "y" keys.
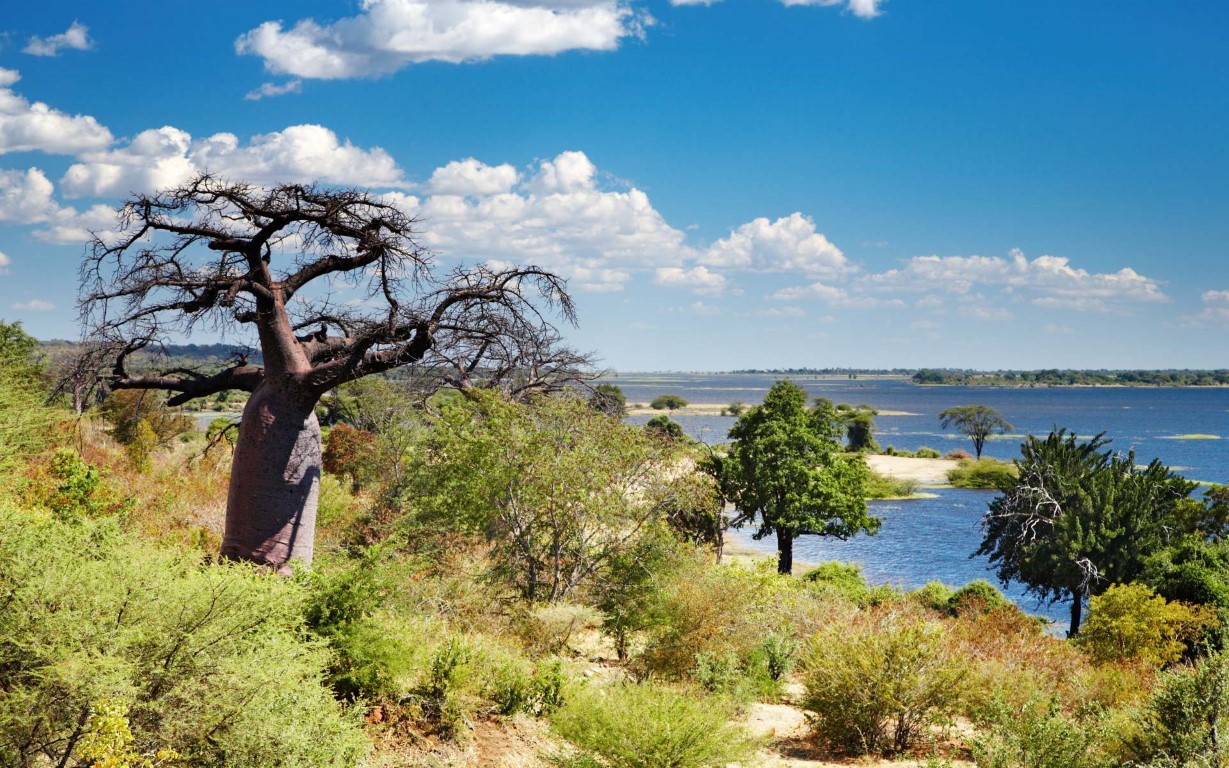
{"x": 1054, "y": 377}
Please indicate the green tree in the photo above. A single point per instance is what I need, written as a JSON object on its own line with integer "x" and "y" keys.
{"x": 976, "y": 421}
{"x": 667, "y": 403}
{"x": 26, "y": 422}
{"x": 609, "y": 399}
{"x": 859, "y": 423}
{"x": 785, "y": 467}
{"x": 663, "y": 426}
{"x": 558, "y": 488}
{"x": 1078, "y": 519}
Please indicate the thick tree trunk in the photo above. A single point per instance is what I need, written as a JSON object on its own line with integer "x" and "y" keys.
{"x": 275, "y": 480}
{"x": 785, "y": 552}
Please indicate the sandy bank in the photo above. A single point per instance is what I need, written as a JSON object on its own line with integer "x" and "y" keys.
{"x": 925, "y": 471}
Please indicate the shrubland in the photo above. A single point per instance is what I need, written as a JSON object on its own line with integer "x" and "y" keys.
{"x": 545, "y": 573}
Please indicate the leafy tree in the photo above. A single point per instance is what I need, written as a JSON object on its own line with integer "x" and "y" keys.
{"x": 691, "y": 506}
{"x": 1131, "y": 623}
{"x": 976, "y": 421}
{"x": 668, "y": 403}
{"x": 265, "y": 261}
{"x": 609, "y": 399}
{"x": 735, "y": 409}
{"x": 663, "y": 426}
{"x": 351, "y": 452}
{"x": 558, "y": 488}
{"x": 1078, "y": 519}
{"x": 785, "y": 467}
{"x": 127, "y": 408}
{"x": 25, "y": 420}
{"x": 859, "y": 426}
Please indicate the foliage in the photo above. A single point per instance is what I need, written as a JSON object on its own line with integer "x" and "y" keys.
{"x": 556, "y": 486}
{"x": 983, "y": 473}
{"x": 649, "y": 726}
{"x": 630, "y": 582}
{"x": 877, "y": 686}
{"x": 927, "y": 453}
{"x": 390, "y": 412}
{"x": 859, "y": 424}
{"x": 1131, "y": 623}
{"x": 209, "y": 661}
{"x": 549, "y": 628}
{"x": 976, "y": 421}
{"x": 735, "y": 409}
{"x": 1078, "y": 519}
{"x": 667, "y": 402}
{"x": 978, "y": 596}
{"x": 352, "y": 453}
{"x": 692, "y": 507}
{"x": 880, "y": 486}
{"x": 108, "y": 741}
{"x": 1037, "y": 734}
{"x": 786, "y": 468}
{"x": 126, "y": 409}
{"x": 1182, "y": 721}
{"x": 609, "y": 399}
{"x": 1196, "y": 571}
{"x": 664, "y": 427}
{"x": 26, "y": 421}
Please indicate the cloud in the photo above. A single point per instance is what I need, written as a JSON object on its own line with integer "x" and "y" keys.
{"x": 863, "y": 9}
{"x": 556, "y": 217}
{"x": 1047, "y": 281}
{"x": 5, "y": 261}
{"x": 782, "y": 312}
{"x": 812, "y": 291}
{"x": 34, "y": 305}
{"x": 472, "y": 178}
{"x": 1215, "y": 309}
{"x": 36, "y": 127}
{"x": 26, "y": 197}
{"x": 76, "y": 38}
{"x": 789, "y": 244}
{"x": 167, "y": 156}
{"x": 388, "y": 35}
{"x": 697, "y": 279}
{"x": 274, "y": 89}
{"x": 702, "y": 309}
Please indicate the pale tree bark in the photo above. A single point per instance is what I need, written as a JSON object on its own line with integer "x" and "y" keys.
{"x": 230, "y": 256}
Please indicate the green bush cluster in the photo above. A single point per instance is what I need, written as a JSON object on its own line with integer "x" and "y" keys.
{"x": 983, "y": 473}
{"x": 208, "y": 661}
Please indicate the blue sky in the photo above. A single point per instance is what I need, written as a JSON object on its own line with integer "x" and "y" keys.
{"x": 744, "y": 183}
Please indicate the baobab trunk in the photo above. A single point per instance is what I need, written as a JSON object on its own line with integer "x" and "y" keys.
{"x": 275, "y": 479}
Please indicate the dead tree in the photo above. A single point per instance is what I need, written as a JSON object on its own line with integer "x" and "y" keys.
{"x": 335, "y": 287}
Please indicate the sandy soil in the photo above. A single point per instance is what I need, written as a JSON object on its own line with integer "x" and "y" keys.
{"x": 926, "y": 471}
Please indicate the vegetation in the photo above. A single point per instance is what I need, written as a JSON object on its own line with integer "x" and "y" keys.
{"x": 1053, "y": 377}
{"x": 609, "y": 399}
{"x": 667, "y": 403}
{"x": 986, "y": 473}
{"x": 976, "y": 421}
{"x": 785, "y": 468}
{"x": 859, "y": 427}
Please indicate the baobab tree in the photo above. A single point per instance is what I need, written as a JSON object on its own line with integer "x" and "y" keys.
{"x": 335, "y": 287}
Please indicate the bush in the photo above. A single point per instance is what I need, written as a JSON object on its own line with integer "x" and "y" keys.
{"x": 209, "y": 662}
{"x": 663, "y": 426}
{"x": 1037, "y": 735}
{"x": 958, "y": 454}
{"x": 983, "y": 473}
{"x": 648, "y": 726}
{"x": 978, "y": 596}
{"x": 549, "y": 628}
{"x": 1182, "y": 721}
{"x": 876, "y": 687}
{"x": 934, "y": 595}
{"x": 1131, "y": 623}
{"x": 352, "y": 453}
{"x": 845, "y": 580}
{"x": 927, "y": 453}
{"x": 667, "y": 403}
{"x": 880, "y": 486}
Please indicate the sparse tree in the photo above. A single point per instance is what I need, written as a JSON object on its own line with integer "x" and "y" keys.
{"x": 976, "y": 421}
{"x": 229, "y": 256}
{"x": 668, "y": 403}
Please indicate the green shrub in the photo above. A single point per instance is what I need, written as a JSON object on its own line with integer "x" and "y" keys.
{"x": 1037, "y": 735}
{"x": 876, "y": 687}
{"x": 879, "y": 486}
{"x": 667, "y": 402}
{"x": 648, "y": 726}
{"x": 934, "y": 595}
{"x": 845, "y": 580}
{"x": 208, "y": 661}
{"x": 927, "y": 453}
{"x": 978, "y": 596}
{"x": 1182, "y": 722}
{"x": 983, "y": 473}
{"x": 1131, "y": 623}
{"x": 550, "y": 627}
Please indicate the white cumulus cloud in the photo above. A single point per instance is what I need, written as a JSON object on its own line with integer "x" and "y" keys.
{"x": 471, "y": 177}
{"x": 698, "y": 279}
{"x": 76, "y": 37}
{"x": 388, "y": 35}
{"x": 789, "y": 244}
{"x": 865, "y": 9}
{"x": 34, "y": 305}
{"x": 166, "y": 156}
{"x": 35, "y": 127}
{"x": 267, "y": 90}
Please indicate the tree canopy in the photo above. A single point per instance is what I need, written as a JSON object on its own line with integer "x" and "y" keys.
{"x": 976, "y": 421}
{"x": 786, "y": 468}
{"x": 1080, "y": 518}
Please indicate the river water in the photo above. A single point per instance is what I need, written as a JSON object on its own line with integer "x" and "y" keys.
{"x": 932, "y": 539}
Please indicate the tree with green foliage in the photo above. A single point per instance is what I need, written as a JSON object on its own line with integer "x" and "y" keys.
{"x": 557, "y": 488}
{"x": 664, "y": 427}
{"x": 609, "y": 399}
{"x": 859, "y": 423}
{"x": 26, "y": 421}
{"x": 1078, "y": 519}
{"x": 786, "y": 468}
{"x": 667, "y": 403}
{"x": 976, "y": 421}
